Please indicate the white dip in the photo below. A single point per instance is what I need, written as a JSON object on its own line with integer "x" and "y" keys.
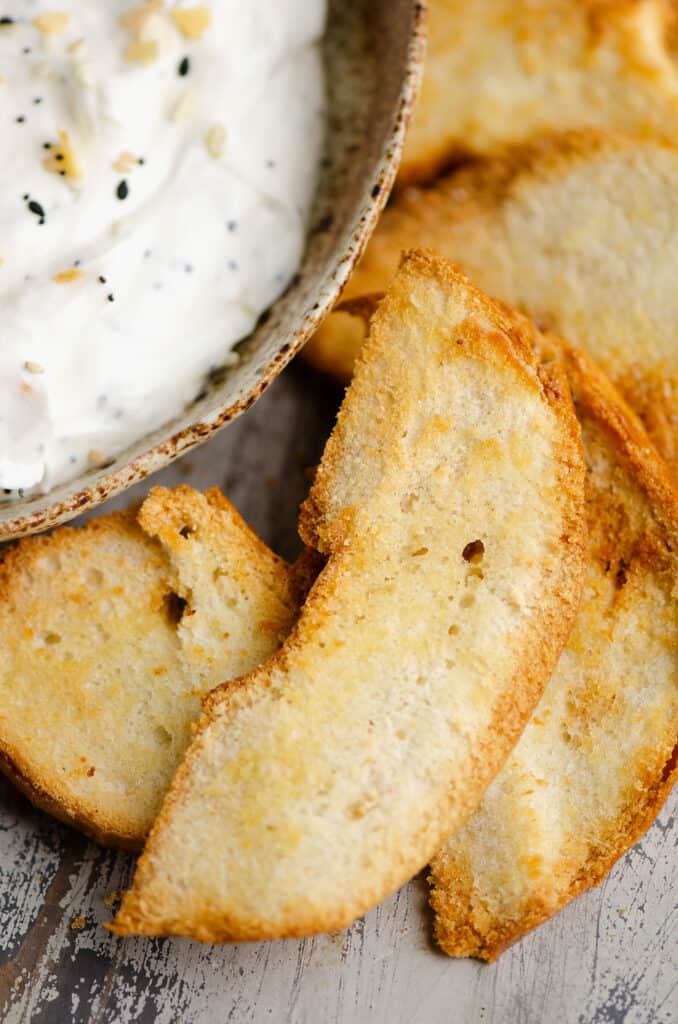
{"x": 158, "y": 163}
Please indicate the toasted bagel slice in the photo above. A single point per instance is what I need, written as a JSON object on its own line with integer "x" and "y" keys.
{"x": 598, "y": 756}
{"x": 111, "y": 634}
{"x": 581, "y": 232}
{"x": 501, "y": 71}
{"x": 449, "y": 502}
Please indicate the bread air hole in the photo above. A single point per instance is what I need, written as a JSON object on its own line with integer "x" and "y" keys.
{"x": 163, "y": 737}
{"x": 473, "y": 552}
{"x": 175, "y": 606}
{"x": 408, "y": 502}
{"x": 186, "y": 531}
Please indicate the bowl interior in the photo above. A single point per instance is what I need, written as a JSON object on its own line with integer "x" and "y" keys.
{"x": 373, "y": 55}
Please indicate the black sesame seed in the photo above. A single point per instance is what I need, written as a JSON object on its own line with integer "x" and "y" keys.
{"x": 59, "y": 157}
{"x": 37, "y": 100}
{"x": 111, "y": 297}
{"x": 26, "y": 197}
{"x": 376, "y": 191}
{"x": 47, "y": 145}
{"x": 122, "y": 191}
{"x": 26, "y": 49}
{"x": 102, "y": 279}
{"x": 232, "y": 225}
{"x": 37, "y": 209}
{"x": 20, "y": 119}
{"x": 77, "y": 263}
{"x": 6, "y": 21}
{"x": 184, "y": 67}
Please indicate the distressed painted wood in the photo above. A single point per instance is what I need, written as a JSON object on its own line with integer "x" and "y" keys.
{"x": 609, "y": 958}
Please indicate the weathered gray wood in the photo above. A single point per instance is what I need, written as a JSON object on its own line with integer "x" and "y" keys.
{"x": 609, "y": 958}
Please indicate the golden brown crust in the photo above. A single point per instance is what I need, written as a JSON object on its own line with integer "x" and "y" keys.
{"x": 62, "y": 807}
{"x": 470, "y": 920}
{"x": 577, "y": 230}
{"x": 102, "y": 672}
{"x": 166, "y": 897}
{"x": 51, "y": 794}
{"x": 464, "y": 929}
{"x": 566, "y": 64}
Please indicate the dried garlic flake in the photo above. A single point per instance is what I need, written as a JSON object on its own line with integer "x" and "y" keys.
{"x": 192, "y": 22}
{"x": 61, "y": 159}
{"x": 215, "y": 140}
{"x": 51, "y": 23}
{"x": 135, "y": 20}
{"x": 66, "y": 276}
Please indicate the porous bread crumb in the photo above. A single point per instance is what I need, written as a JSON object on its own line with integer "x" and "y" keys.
{"x": 591, "y": 770}
{"x": 329, "y": 775}
{"x": 90, "y": 614}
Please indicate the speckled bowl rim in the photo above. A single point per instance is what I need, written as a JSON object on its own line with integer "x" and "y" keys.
{"x": 368, "y": 210}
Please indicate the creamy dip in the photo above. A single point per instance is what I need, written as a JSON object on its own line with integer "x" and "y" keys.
{"x": 158, "y": 164}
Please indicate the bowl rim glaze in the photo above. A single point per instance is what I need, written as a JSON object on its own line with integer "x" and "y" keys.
{"x": 84, "y": 495}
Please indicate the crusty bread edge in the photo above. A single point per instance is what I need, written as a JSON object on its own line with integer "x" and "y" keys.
{"x": 539, "y": 656}
{"x": 595, "y": 393}
{"x": 56, "y": 799}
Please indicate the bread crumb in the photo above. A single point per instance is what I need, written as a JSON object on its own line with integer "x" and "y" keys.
{"x": 113, "y": 897}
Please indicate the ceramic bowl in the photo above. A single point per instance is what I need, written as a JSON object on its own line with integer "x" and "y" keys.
{"x": 373, "y": 53}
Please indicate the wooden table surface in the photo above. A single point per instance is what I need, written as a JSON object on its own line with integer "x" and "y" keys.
{"x": 610, "y": 957}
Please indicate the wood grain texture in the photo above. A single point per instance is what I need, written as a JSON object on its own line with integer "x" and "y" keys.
{"x": 609, "y": 958}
